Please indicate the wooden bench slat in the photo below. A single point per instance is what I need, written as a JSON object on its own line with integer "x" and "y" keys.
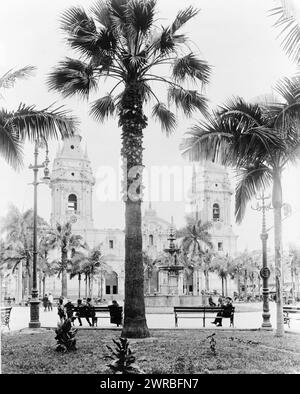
{"x": 204, "y": 310}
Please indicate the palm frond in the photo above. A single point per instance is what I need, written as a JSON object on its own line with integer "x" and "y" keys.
{"x": 165, "y": 116}
{"x": 72, "y": 77}
{"x": 9, "y": 78}
{"x": 250, "y": 181}
{"x": 11, "y": 148}
{"x": 187, "y": 100}
{"x": 100, "y": 11}
{"x": 192, "y": 67}
{"x": 140, "y": 15}
{"x": 33, "y": 124}
{"x": 76, "y": 22}
{"x": 103, "y": 108}
{"x": 183, "y": 17}
{"x": 289, "y": 27}
{"x": 208, "y": 141}
{"x": 166, "y": 43}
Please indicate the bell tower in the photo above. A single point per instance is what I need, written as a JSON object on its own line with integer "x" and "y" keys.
{"x": 71, "y": 186}
{"x": 211, "y": 202}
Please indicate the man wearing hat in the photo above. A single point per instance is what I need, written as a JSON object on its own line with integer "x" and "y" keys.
{"x": 225, "y": 312}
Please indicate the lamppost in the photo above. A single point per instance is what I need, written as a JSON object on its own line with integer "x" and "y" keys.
{"x": 34, "y": 302}
{"x": 265, "y": 271}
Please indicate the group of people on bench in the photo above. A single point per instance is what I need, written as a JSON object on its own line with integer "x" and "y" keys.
{"x": 226, "y": 311}
{"x": 87, "y": 311}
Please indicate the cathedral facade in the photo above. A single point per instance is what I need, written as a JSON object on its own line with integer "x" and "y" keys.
{"x": 72, "y": 183}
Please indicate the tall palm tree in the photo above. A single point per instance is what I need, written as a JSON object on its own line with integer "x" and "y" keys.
{"x": 120, "y": 41}
{"x": 77, "y": 269}
{"x": 92, "y": 264}
{"x": 62, "y": 238}
{"x": 16, "y": 228}
{"x": 259, "y": 140}
{"x": 195, "y": 241}
{"x": 288, "y": 22}
{"x": 222, "y": 265}
{"x": 27, "y": 122}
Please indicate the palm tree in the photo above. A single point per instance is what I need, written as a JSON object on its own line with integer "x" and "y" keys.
{"x": 93, "y": 264}
{"x": 120, "y": 41}
{"x": 288, "y": 21}
{"x": 16, "y": 227}
{"x": 259, "y": 140}
{"x": 222, "y": 265}
{"x": 62, "y": 238}
{"x": 77, "y": 269}
{"x": 45, "y": 267}
{"x": 27, "y": 122}
{"x": 195, "y": 241}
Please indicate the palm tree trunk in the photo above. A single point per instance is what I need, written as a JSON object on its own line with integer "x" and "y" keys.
{"x": 79, "y": 285}
{"x": 86, "y": 285}
{"x": 206, "y": 273}
{"x": 239, "y": 284}
{"x": 133, "y": 121}
{"x": 44, "y": 284}
{"x": 226, "y": 286}
{"x": 64, "y": 284}
{"x": 222, "y": 279}
{"x": 92, "y": 285}
{"x": 277, "y": 204}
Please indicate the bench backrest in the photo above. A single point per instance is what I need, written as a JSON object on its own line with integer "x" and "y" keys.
{"x": 291, "y": 309}
{"x": 100, "y": 308}
{"x": 198, "y": 309}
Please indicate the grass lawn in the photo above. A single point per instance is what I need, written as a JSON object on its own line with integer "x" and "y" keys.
{"x": 168, "y": 351}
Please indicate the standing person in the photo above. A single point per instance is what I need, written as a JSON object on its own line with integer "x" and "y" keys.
{"x": 50, "y": 302}
{"x": 220, "y": 301}
{"x": 45, "y": 302}
{"x": 61, "y": 310}
{"x": 115, "y": 313}
{"x": 225, "y": 312}
{"x": 211, "y": 301}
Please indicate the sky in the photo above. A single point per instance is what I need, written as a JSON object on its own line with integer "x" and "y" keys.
{"x": 235, "y": 37}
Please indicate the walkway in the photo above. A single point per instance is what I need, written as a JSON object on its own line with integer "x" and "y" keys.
{"x": 248, "y": 319}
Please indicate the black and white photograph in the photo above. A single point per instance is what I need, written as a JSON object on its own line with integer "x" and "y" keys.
{"x": 150, "y": 186}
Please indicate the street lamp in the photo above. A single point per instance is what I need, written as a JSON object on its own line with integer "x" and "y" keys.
{"x": 265, "y": 271}
{"x": 34, "y": 302}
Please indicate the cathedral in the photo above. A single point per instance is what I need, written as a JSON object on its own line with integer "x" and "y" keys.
{"x": 72, "y": 183}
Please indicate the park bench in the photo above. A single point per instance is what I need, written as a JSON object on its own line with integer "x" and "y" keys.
{"x": 290, "y": 312}
{"x": 101, "y": 311}
{"x": 5, "y": 316}
{"x": 203, "y": 312}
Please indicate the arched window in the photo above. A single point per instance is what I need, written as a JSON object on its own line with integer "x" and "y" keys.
{"x": 72, "y": 203}
{"x": 151, "y": 240}
{"x": 216, "y": 212}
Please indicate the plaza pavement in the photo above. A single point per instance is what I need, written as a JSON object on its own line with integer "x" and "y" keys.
{"x": 247, "y": 316}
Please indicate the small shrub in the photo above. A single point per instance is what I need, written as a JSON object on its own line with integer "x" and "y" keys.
{"x": 123, "y": 358}
{"x": 212, "y": 343}
{"x": 65, "y": 336}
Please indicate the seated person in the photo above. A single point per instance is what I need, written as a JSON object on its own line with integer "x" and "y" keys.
{"x": 81, "y": 312}
{"x": 225, "y": 312}
{"x": 115, "y": 313}
{"x": 69, "y": 309}
{"x": 210, "y": 301}
{"x": 90, "y": 312}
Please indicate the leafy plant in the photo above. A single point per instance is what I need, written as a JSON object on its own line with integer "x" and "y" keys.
{"x": 65, "y": 336}
{"x": 123, "y": 358}
{"x": 212, "y": 343}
